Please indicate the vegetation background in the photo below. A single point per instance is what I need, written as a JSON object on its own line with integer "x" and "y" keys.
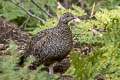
{"x": 96, "y": 34}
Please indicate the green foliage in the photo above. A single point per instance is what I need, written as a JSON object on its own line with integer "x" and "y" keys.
{"x": 77, "y": 11}
{"x": 50, "y": 23}
{"x": 11, "y": 12}
{"x": 85, "y": 68}
{"x": 105, "y": 59}
{"x": 11, "y": 71}
{"x": 109, "y": 4}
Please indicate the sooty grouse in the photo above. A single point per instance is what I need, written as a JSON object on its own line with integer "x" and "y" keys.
{"x": 52, "y": 45}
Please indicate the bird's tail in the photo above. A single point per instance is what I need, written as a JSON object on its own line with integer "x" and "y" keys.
{"x": 22, "y": 60}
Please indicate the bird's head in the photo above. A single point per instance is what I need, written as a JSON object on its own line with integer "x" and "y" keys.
{"x": 66, "y": 17}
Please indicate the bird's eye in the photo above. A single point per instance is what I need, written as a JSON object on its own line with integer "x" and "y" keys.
{"x": 67, "y": 16}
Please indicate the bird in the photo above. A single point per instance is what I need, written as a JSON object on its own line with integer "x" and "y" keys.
{"x": 51, "y": 45}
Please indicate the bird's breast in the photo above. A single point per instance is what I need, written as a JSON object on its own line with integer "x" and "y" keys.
{"x": 60, "y": 43}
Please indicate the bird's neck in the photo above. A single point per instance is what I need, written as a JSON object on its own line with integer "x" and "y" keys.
{"x": 62, "y": 24}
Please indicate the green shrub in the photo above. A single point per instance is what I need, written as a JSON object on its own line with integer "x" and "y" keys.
{"x": 105, "y": 58}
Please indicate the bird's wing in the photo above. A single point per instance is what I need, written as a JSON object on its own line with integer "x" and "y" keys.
{"x": 40, "y": 35}
{"x": 33, "y": 45}
{"x": 40, "y": 42}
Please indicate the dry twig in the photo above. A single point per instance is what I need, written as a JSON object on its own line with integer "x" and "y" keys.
{"x": 0, "y": 15}
{"x": 59, "y": 5}
{"x": 46, "y": 12}
{"x": 25, "y": 22}
{"x": 28, "y": 12}
{"x": 96, "y": 32}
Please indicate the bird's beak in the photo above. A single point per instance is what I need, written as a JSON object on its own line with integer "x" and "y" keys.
{"x": 75, "y": 17}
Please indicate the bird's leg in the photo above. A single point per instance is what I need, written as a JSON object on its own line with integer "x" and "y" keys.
{"x": 51, "y": 71}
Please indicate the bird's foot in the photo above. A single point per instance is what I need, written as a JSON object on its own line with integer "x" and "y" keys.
{"x": 51, "y": 68}
{"x": 51, "y": 71}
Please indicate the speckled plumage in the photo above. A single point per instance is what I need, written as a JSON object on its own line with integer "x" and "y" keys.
{"x": 52, "y": 45}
